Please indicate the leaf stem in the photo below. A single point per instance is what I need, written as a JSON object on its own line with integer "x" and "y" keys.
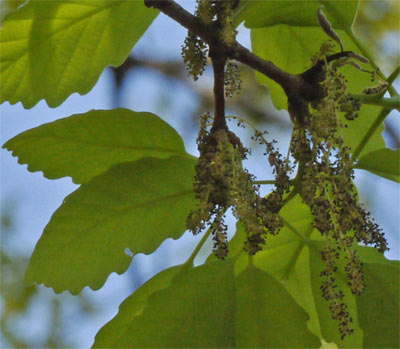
{"x": 251, "y": 260}
{"x": 393, "y": 76}
{"x": 190, "y": 260}
{"x": 265, "y": 182}
{"x": 304, "y": 238}
{"x": 294, "y": 257}
{"x": 392, "y": 103}
{"x": 292, "y": 194}
{"x": 380, "y": 118}
{"x": 367, "y": 53}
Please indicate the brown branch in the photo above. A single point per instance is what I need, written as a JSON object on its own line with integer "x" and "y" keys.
{"x": 210, "y": 34}
{"x": 218, "y": 62}
{"x": 183, "y": 17}
{"x": 285, "y": 80}
{"x": 315, "y": 73}
{"x": 299, "y": 88}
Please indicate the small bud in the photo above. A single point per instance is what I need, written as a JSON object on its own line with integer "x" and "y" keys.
{"x": 327, "y": 27}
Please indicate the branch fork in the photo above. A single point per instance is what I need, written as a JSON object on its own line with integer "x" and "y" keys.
{"x": 299, "y": 88}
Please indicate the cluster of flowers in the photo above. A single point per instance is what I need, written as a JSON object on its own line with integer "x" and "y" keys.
{"x": 222, "y": 182}
{"x": 327, "y": 187}
{"x": 195, "y": 50}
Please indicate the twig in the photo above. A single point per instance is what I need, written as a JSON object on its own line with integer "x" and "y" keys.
{"x": 379, "y": 119}
{"x": 210, "y": 34}
{"x": 218, "y": 62}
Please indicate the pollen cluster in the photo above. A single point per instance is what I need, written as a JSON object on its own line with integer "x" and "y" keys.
{"x": 195, "y": 49}
{"x": 222, "y": 182}
{"x": 326, "y": 186}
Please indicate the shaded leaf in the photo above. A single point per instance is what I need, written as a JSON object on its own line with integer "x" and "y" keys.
{"x": 378, "y": 306}
{"x": 134, "y": 205}
{"x": 109, "y": 335}
{"x": 267, "y": 316}
{"x": 85, "y": 145}
{"x": 382, "y": 162}
{"x": 51, "y": 49}
{"x": 205, "y": 307}
{"x": 195, "y": 311}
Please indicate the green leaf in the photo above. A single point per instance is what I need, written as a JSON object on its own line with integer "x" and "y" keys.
{"x": 205, "y": 307}
{"x": 329, "y": 327}
{"x": 383, "y": 162}
{"x": 258, "y": 14}
{"x": 290, "y": 41}
{"x": 195, "y": 311}
{"x": 85, "y": 145}
{"x": 378, "y": 306}
{"x": 7, "y": 7}
{"x": 109, "y": 335}
{"x": 294, "y": 259}
{"x": 267, "y": 316}
{"x": 51, "y": 49}
{"x": 134, "y": 205}
{"x": 292, "y": 48}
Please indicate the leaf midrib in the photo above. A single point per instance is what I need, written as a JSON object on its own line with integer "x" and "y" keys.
{"x": 97, "y": 145}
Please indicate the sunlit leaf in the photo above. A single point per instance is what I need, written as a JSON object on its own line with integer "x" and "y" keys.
{"x": 85, "y": 145}
{"x": 134, "y": 205}
{"x": 292, "y": 47}
{"x": 383, "y": 162}
{"x": 51, "y": 49}
{"x": 7, "y": 7}
{"x": 290, "y": 41}
{"x": 258, "y": 14}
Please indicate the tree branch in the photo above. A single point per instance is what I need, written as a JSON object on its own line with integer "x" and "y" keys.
{"x": 218, "y": 62}
{"x": 210, "y": 34}
{"x": 299, "y": 88}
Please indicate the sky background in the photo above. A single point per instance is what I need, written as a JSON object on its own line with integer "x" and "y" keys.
{"x": 32, "y": 199}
